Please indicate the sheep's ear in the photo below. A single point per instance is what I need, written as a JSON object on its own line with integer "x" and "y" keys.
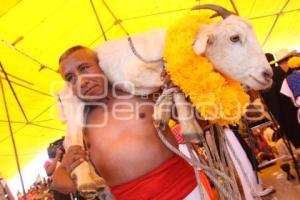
{"x": 202, "y": 39}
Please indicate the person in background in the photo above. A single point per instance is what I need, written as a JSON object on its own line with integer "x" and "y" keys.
{"x": 50, "y": 166}
{"x": 52, "y": 163}
{"x": 5, "y": 193}
{"x": 278, "y": 104}
{"x": 268, "y": 135}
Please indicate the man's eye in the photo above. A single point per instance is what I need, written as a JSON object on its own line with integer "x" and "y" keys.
{"x": 70, "y": 78}
{"x": 83, "y": 67}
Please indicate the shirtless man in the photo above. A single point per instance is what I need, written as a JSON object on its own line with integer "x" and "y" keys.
{"x": 126, "y": 151}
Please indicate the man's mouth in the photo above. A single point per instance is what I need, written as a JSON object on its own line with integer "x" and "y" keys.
{"x": 86, "y": 92}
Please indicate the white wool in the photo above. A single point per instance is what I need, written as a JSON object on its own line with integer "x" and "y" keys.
{"x": 121, "y": 66}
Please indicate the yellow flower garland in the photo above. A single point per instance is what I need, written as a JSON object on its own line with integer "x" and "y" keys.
{"x": 217, "y": 98}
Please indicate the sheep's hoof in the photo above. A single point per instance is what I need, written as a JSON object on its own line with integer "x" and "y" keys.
{"x": 100, "y": 183}
{"x": 192, "y": 137}
{"x": 88, "y": 191}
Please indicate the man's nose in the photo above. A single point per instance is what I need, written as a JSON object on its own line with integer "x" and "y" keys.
{"x": 83, "y": 81}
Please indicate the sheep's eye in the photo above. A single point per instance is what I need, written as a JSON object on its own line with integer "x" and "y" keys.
{"x": 235, "y": 38}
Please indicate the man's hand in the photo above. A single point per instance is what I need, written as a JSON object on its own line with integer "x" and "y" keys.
{"x": 62, "y": 180}
{"x": 74, "y": 156}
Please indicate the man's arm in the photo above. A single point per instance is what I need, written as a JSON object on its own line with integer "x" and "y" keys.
{"x": 63, "y": 182}
{"x": 62, "y": 179}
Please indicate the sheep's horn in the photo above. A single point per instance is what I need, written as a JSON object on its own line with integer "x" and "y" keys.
{"x": 224, "y": 13}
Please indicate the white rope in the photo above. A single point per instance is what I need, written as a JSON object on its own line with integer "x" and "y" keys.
{"x": 207, "y": 169}
{"x": 212, "y": 173}
{"x": 166, "y": 93}
{"x": 196, "y": 171}
{"x": 139, "y": 56}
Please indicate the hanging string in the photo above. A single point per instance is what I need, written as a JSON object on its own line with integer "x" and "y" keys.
{"x": 42, "y": 66}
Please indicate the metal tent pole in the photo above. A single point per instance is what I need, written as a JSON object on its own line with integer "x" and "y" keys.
{"x": 98, "y": 20}
{"x": 13, "y": 91}
{"x": 12, "y": 136}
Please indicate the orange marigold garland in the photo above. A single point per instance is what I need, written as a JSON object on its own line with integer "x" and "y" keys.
{"x": 217, "y": 98}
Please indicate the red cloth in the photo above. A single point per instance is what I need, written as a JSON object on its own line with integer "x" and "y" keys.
{"x": 206, "y": 185}
{"x": 174, "y": 180}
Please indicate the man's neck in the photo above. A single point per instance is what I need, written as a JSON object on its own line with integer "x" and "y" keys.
{"x": 117, "y": 94}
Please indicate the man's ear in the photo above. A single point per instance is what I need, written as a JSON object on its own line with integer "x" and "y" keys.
{"x": 203, "y": 38}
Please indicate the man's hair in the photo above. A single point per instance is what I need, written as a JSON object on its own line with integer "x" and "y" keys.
{"x": 70, "y": 51}
{"x": 270, "y": 57}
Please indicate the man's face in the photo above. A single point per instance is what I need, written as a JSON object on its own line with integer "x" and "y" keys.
{"x": 283, "y": 64}
{"x": 82, "y": 73}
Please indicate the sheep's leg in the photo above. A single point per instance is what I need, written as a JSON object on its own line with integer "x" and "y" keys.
{"x": 162, "y": 111}
{"x": 71, "y": 110}
{"x": 189, "y": 126}
{"x": 86, "y": 185}
{"x": 99, "y": 181}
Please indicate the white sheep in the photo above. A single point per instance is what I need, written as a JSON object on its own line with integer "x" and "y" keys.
{"x": 230, "y": 45}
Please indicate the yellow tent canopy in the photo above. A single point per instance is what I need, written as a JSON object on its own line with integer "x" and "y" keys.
{"x": 34, "y": 33}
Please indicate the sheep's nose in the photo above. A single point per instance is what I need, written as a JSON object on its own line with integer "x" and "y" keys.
{"x": 267, "y": 74}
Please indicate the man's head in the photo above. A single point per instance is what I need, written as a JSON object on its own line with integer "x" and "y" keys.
{"x": 270, "y": 57}
{"x": 282, "y": 57}
{"x": 79, "y": 67}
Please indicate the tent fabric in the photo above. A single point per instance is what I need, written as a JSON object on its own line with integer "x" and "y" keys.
{"x": 42, "y": 30}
